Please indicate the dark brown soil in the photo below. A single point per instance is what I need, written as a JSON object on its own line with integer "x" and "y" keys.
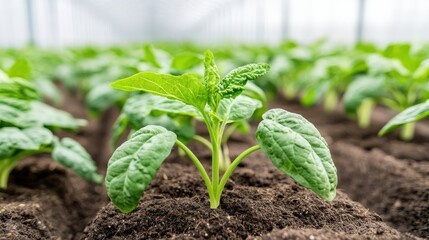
{"x": 257, "y": 200}
{"x": 46, "y": 201}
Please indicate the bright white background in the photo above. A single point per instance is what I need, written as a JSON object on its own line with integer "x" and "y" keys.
{"x": 67, "y": 22}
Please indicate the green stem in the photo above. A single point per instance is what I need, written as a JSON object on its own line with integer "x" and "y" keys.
{"x": 331, "y": 101}
{"x": 407, "y": 131}
{"x": 212, "y": 128}
{"x": 6, "y": 166}
{"x": 225, "y": 160}
{"x": 364, "y": 112}
{"x": 204, "y": 141}
{"x": 229, "y": 132}
{"x": 200, "y": 168}
{"x": 231, "y": 168}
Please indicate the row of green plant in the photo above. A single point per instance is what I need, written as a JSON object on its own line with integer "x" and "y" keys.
{"x": 27, "y": 127}
{"x": 158, "y": 122}
{"x": 358, "y": 78}
{"x": 174, "y": 86}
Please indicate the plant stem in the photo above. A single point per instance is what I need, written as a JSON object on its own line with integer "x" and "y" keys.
{"x": 407, "y": 131}
{"x": 213, "y": 128}
{"x": 6, "y": 166}
{"x": 231, "y": 168}
{"x": 200, "y": 168}
{"x": 331, "y": 101}
{"x": 204, "y": 141}
{"x": 231, "y": 129}
{"x": 364, "y": 112}
{"x": 225, "y": 160}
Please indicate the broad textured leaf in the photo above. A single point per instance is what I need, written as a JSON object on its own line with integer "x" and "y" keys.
{"x": 134, "y": 165}
{"x": 13, "y": 140}
{"x": 72, "y": 155}
{"x": 296, "y": 148}
{"x": 239, "y": 108}
{"x": 362, "y": 88}
{"x": 185, "y": 61}
{"x": 187, "y": 88}
{"x": 233, "y": 83}
{"x": 411, "y": 114}
{"x": 13, "y": 112}
{"x": 211, "y": 80}
{"x": 102, "y": 97}
{"x": 21, "y": 68}
{"x": 48, "y": 116}
{"x": 18, "y": 88}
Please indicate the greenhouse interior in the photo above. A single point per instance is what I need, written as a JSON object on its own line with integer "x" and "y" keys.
{"x": 217, "y": 119}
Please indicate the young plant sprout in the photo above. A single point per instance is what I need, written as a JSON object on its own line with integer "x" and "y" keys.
{"x": 27, "y": 124}
{"x": 408, "y": 117}
{"x": 291, "y": 142}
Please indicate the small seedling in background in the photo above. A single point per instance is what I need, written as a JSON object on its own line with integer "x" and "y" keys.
{"x": 26, "y": 126}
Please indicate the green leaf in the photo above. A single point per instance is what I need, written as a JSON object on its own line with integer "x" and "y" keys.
{"x": 255, "y": 92}
{"x": 211, "y": 80}
{"x": 313, "y": 94}
{"x": 233, "y": 83}
{"x": 158, "y": 58}
{"x": 102, "y": 97}
{"x": 146, "y": 109}
{"x": 21, "y": 69}
{"x": 50, "y": 117}
{"x": 362, "y": 88}
{"x": 72, "y": 155}
{"x": 187, "y": 88}
{"x": 13, "y": 140}
{"x": 185, "y": 61}
{"x": 119, "y": 128}
{"x": 411, "y": 114}
{"x": 13, "y": 112}
{"x": 134, "y": 165}
{"x": 239, "y": 108}
{"x": 296, "y": 148}
{"x": 18, "y": 88}
{"x": 48, "y": 89}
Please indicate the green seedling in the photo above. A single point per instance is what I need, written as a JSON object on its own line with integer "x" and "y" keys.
{"x": 26, "y": 126}
{"x": 407, "y": 118}
{"x": 292, "y": 143}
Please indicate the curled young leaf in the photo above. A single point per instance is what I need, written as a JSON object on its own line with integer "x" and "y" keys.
{"x": 211, "y": 80}
{"x": 233, "y": 83}
{"x": 296, "y": 148}
{"x": 134, "y": 164}
{"x": 411, "y": 114}
{"x": 72, "y": 155}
